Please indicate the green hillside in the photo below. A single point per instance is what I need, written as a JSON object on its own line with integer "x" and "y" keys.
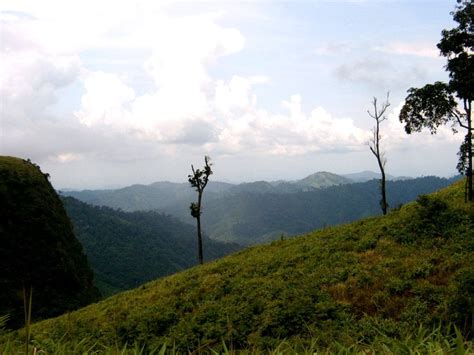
{"x": 38, "y": 249}
{"x": 126, "y": 249}
{"x": 340, "y": 285}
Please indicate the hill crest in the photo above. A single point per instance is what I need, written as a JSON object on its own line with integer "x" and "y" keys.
{"x": 323, "y": 179}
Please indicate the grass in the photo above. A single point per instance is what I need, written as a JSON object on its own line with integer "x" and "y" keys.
{"x": 28, "y": 302}
{"x": 438, "y": 340}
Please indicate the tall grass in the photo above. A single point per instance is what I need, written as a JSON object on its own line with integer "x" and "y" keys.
{"x": 438, "y": 340}
{"x": 27, "y": 303}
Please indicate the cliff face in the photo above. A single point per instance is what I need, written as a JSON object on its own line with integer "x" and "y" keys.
{"x": 38, "y": 249}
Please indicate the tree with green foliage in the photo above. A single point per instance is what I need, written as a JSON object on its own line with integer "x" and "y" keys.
{"x": 199, "y": 179}
{"x": 441, "y": 103}
{"x": 374, "y": 144}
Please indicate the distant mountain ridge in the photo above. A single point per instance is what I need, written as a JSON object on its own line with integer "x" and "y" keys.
{"x": 323, "y": 179}
{"x": 158, "y": 195}
{"x": 255, "y": 212}
{"x": 367, "y": 175}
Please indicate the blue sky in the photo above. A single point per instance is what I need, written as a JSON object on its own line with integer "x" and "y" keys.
{"x": 111, "y": 93}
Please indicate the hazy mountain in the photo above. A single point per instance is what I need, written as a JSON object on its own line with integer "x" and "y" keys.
{"x": 156, "y": 196}
{"x": 255, "y": 212}
{"x": 252, "y": 187}
{"x": 370, "y": 175}
{"x": 161, "y": 195}
{"x": 323, "y": 179}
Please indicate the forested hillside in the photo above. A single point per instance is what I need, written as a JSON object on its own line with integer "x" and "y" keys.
{"x": 344, "y": 285}
{"x": 38, "y": 250}
{"x": 127, "y": 249}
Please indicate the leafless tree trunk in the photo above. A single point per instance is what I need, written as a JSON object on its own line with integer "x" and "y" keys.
{"x": 468, "y": 110}
{"x": 374, "y": 144}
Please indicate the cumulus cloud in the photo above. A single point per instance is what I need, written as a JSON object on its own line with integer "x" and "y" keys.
{"x": 291, "y": 132}
{"x": 30, "y": 75}
{"x": 105, "y": 101}
{"x": 180, "y": 102}
{"x": 236, "y": 95}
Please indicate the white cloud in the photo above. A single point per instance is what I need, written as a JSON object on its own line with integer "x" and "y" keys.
{"x": 106, "y": 100}
{"x": 293, "y": 132}
{"x": 237, "y": 94}
{"x": 184, "y": 95}
{"x": 30, "y": 75}
{"x": 419, "y": 49}
{"x": 68, "y": 157}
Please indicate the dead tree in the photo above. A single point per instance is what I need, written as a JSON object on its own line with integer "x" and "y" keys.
{"x": 199, "y": 179}
{"x": 374, "y": 144}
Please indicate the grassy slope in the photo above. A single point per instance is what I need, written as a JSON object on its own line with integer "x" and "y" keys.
{"x": 342, "y": 284}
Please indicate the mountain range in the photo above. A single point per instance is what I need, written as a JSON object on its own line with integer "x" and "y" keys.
{"x": 255, "y": 212}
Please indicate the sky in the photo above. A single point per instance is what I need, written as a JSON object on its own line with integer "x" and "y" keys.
{"x": 109, "y": 93}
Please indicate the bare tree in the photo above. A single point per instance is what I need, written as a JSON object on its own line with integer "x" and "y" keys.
{"x": 374, "y": 144}
{"x": 199, "y": 179}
